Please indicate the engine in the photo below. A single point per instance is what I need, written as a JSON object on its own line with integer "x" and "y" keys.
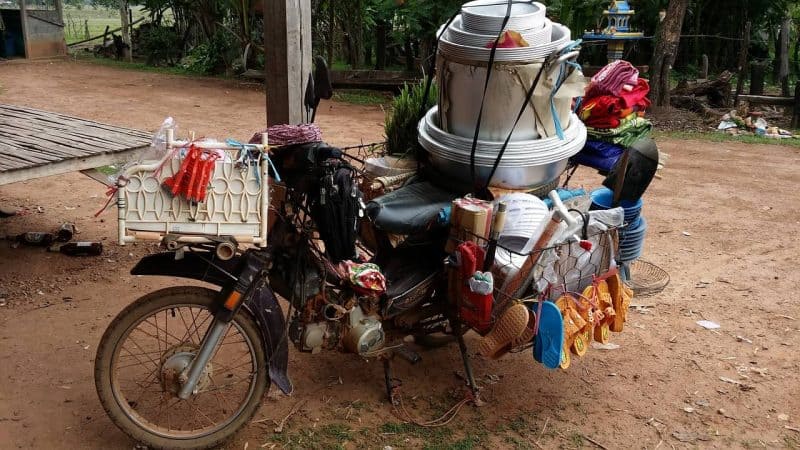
{"x": 330, "y": 323}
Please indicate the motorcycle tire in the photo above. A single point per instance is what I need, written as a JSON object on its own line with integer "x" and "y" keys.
{"x": 125, "y": 416}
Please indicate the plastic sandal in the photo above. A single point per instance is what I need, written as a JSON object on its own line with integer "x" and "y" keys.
{"x": 549, "y": 344}
{"x": 621, "y": 296}
{"x": 604, "y": 312}
{"x": 507, "y": 330}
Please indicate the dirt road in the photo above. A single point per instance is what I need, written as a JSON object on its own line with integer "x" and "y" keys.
{"x": 723, "y": 222}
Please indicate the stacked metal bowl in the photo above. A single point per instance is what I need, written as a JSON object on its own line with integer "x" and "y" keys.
{"x": 447, "y": 131}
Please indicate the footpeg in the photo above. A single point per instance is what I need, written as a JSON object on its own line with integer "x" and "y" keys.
{"x": 409, "y": 355}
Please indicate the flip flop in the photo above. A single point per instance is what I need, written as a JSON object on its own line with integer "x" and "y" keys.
{"x": 604, "y": 312}
{"x": 508, "y": 328}
{"x": 621, "y": 296}
{"x": 549, "y": 344}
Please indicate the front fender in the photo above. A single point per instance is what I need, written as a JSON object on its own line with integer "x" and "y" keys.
{"x": 262, "y": 305}
{"x": 202, "y": 266}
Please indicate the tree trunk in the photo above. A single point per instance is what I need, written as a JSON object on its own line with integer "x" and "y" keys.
{"x": 783, "y": 57}
{"x": 668, "y": 37}
{"x": 331, "y": 30}
{"x": 758, "y": 73}
{"x": 382, "y": 31}
{"x": 409, "y": 51}
{"x": 742, "y": 63}
{"x": 126, "y": 30}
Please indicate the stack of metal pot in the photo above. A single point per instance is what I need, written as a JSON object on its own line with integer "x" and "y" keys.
{"x": 548, "y": 133}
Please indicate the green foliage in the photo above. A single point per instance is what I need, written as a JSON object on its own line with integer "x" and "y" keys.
{"x": 160, "y": 45}
{"x": 213, "y": 56}
{"x": 401, "y": 122}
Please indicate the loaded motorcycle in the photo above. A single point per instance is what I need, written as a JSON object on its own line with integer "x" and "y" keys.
{"x": 186, "y": 367}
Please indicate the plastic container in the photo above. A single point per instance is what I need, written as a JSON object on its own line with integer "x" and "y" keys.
{"x": 603, "y": 198}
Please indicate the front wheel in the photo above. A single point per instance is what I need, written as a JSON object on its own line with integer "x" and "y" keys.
{"x": 148, "y": 345}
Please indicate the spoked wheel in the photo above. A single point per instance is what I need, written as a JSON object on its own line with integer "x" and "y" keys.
{"x": 143, "y": 353}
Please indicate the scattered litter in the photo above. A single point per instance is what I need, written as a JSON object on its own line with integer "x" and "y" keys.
{"x": 39, "y": 209}
{"x": 742, "y": 386}
{"x": 783, "y": 417}
{"x": 686, "y": 233}
{"x": 70, "y": 208}
{"x": 608, "y": 346}
{"x": 743, "y": 339}
{"x": 2, "y": 302}
{"x": 708, "y": 325}
{"x": 689, "y": 409}
{"x": 722, "y": 412}
{"x": 786, "y": 317}
{"x": 689, "y": 437}
{"x": 673, "y": 339}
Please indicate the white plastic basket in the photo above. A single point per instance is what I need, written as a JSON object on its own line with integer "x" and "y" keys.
{"x": 236, "y": 203}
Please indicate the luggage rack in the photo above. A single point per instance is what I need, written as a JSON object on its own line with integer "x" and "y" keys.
{"x": 236, "y": 206}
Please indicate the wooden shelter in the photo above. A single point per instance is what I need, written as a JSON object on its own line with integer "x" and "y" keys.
{"x": 31, "y": 29}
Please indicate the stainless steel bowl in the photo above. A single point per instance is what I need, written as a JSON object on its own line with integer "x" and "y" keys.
{"x": 559, "y": 38}
{"x": 487, "y": 15}
{"x": 458, "y": 35}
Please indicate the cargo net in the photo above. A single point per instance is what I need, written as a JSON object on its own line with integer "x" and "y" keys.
{"x": 562, "y": 268}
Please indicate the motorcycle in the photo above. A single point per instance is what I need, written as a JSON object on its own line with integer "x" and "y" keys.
{"x": 188, "y": 366}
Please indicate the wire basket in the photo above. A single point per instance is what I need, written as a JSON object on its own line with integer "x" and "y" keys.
{"x": 566, "y": 267}
{"x": 647, "y": 278}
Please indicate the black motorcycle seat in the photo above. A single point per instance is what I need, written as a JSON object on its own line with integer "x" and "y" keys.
{"x": 410, "y": 209}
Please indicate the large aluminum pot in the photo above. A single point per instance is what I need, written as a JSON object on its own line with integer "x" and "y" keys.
{"x": 461, "y": 85}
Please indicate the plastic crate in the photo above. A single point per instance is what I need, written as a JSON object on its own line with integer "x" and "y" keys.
{"x": 235, "y": 204}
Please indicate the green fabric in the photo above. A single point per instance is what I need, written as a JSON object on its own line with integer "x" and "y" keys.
{"x": 630, "y": 130}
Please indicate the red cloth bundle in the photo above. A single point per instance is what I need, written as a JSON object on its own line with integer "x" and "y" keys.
{"x": 606, "y": 111}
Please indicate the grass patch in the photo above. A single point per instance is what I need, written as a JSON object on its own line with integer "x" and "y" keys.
{"x": 362, "y": 97}
{"x": 433, "y": 438}
{"x": 140, "y": 66}
{"x": 76, "y": 21}
{"x": 724, "y": 137}
{"x": 332, "y": 435}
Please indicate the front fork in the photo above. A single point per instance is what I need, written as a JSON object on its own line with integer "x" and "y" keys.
{"x": 230, "y": 299}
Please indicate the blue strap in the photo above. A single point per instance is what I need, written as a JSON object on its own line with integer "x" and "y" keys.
{"x": 245, "y": 157}
{"x": 559, "y": 82}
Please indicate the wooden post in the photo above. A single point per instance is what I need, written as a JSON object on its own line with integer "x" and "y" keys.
{"x": 704, "y": 68}
{"x": 23, "y": 17}
{"x": 742, "y": 63}
{"x": 796, "y": 114}
{"x": 287, "y": 34}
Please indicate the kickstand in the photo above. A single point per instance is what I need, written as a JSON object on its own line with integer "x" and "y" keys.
{"x": 391, "y": 383}
{"x": 462, "y": 346}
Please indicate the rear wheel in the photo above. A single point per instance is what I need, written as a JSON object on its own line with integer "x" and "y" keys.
{"x": 148, "y": 345}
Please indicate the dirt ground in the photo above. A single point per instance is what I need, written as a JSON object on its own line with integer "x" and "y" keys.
{"x": 722, "y": 222}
